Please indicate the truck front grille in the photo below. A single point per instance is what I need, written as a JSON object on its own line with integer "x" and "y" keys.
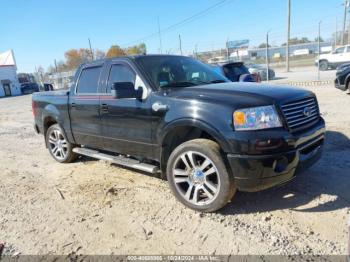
{"x": 301, "y": 113}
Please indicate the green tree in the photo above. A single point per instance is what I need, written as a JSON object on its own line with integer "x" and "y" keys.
{"x": 296, "y": 40}
{"x": 263, "y": 45}
{"x": 136, "y": 49}
{"x": 321, "y": 39}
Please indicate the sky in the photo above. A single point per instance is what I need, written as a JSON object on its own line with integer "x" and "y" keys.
{"x": 40, "y": 31}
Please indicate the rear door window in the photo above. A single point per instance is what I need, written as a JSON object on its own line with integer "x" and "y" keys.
{"x": 88, "y": 80}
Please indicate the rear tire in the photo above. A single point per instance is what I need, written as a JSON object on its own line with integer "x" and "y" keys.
{"x": 323, "y": 65}
{"x": 198, "y": 177}
{"x": 58, "y": 145}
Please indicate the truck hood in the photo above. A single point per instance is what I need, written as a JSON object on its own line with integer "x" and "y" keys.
{"x": 241, "y": 93}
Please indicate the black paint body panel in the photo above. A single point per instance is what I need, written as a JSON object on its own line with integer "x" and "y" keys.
{"x": 130, "y": 126}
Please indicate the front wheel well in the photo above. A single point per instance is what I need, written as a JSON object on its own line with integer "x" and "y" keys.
{"x": 177, "y": 136}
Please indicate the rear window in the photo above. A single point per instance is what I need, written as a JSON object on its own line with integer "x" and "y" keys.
{"x": 88, "y": 81}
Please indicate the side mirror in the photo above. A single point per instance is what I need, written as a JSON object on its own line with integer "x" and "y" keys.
{"x": 126, "y": 90}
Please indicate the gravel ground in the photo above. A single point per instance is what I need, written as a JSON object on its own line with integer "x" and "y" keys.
{"x": 300, "y": 74}
{"x": 93, "y": 207}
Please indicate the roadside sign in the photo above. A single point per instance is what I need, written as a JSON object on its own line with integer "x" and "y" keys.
{"x": 238, "y": 43}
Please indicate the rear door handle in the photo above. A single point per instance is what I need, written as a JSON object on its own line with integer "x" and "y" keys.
{"x": 104, "y": 108}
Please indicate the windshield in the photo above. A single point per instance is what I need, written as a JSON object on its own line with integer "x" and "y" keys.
{"x": 178, "y": 71}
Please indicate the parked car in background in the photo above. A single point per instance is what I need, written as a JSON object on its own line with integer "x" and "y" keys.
{"x": 29, "y": 88}
{"x": 261, "y": 71}
{"x": 335, "y": 58}
{"x": 217, "y": 60}
{"x": 236, "y": 72}
{"x": 174, "y": 115}
{"x": 342, "y": 80}
{"x": 46, "y": 87}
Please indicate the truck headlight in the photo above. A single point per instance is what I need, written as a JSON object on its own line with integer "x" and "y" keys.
{"x": 256, "y": 118}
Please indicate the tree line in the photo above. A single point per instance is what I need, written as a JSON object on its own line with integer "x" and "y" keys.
{"x": 75, "y": 57}
{"x": 294, "y": 41}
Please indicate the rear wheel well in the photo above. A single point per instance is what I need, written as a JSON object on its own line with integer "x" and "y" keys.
{"x": 49, "y": 121}
{"x": 178, "y": 136}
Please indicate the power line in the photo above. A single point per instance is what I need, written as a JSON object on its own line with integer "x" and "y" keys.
{"x": 181, "y": 23}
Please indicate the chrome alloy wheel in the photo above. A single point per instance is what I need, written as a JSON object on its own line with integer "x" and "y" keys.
{"x": 196, "y": 178}
{"x": 58, "y": 144}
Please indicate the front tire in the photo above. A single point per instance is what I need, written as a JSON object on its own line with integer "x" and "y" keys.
{"x": 58, "y": 145}
{"x": 323, "y": 65}
{"x": 198, "y": 177}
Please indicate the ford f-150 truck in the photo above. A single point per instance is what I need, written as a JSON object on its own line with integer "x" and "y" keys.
{"x": 175, "y": 116}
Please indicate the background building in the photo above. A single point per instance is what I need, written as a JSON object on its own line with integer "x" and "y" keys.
{"x": 9, "y": 84}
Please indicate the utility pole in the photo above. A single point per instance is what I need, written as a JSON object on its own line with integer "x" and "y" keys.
{"x": 160, "y": 37}
{"x": 319, "y": 50}
{"x": 55, "y": 66}
{"x": 336, "y": 33}
{"x": 227, "y": 51}
{"x": 346, "y": 5}
{"x": 288, "y": 37}
{"x": 348, "y": 33}
{"x": 267, "y": 56}
{"x": 92, "y": 54}
{"x": 180, "y": 44}
{"x": 196, "y": 50}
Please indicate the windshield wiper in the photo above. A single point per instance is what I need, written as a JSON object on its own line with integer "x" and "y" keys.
{"x": 179, "y": 84}
{"x": 218, "y": 81}
{"x": 212, "y": 82}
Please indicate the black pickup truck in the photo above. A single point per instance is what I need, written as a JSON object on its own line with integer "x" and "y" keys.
{"x": 175, "y": 116}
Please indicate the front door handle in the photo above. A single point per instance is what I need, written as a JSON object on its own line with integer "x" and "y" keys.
{"x": 104, "y": 108}
{"x": 159, "y": 107}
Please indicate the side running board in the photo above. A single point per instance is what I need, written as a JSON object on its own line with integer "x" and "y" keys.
{"x": 119, "y": 160}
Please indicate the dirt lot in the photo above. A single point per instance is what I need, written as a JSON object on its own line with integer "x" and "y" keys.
{"x": 92, "y": 207}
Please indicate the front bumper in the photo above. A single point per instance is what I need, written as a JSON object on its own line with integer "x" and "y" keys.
{"x": 258, "y": 172}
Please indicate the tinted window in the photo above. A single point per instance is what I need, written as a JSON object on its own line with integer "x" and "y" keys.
{"x": 120, "y": 73}
{"x": 177, "y": 71}
{"x": 88, "y": 81}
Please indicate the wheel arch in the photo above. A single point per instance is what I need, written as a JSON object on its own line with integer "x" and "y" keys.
{"x": 51, "y": 115}
{"x": 180, "y": 131}
{"x": 347, "y": 81}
